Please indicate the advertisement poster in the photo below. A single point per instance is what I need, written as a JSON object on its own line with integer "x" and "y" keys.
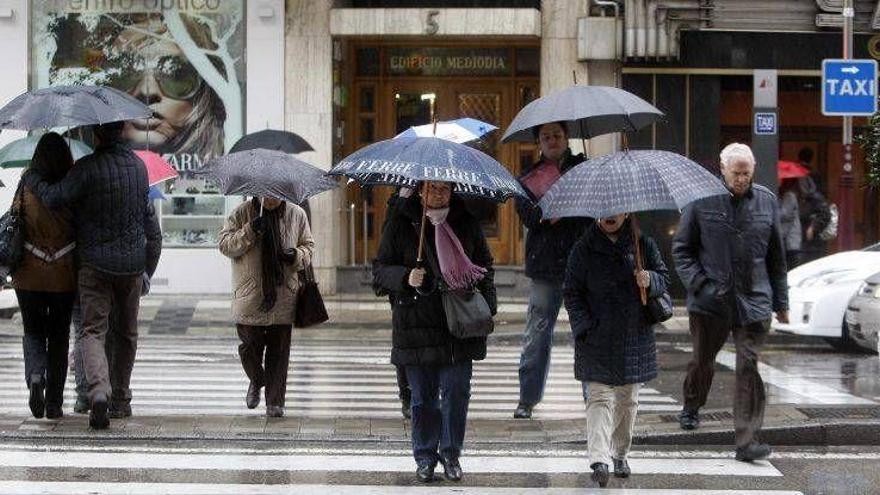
{"x": 182, "y": 58}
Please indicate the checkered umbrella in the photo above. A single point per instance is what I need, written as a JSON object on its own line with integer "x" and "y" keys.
{"x": 629, "y": 182}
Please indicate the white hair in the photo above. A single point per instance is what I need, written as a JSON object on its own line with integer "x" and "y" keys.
{"x": 735, "y": 152}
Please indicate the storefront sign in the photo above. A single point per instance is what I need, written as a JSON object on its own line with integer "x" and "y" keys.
{"x": 448, "y": 62}
{"x": 765, "y": 124}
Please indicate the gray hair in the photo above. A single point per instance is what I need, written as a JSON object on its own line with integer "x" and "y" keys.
{"x": 734, "y": 152}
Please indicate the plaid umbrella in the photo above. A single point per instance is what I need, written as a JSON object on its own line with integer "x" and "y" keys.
{"x": 267, "y": 173}
{"x": 629, "y": 182}
{"x": 70, "y": 106}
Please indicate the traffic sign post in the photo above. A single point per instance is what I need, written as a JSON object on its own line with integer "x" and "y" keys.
{"x": 849, "y": 87}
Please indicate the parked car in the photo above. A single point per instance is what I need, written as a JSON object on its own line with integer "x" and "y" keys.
{"x": 819, "y": 292}
{"x": 863, "y": 314}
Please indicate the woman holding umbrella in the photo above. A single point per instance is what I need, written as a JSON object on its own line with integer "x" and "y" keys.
{"x": 269, "y": 241}
{"x": 438, "y": 365}
{"x": 614, "y": 339}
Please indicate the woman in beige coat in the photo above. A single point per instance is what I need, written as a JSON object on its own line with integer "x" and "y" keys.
{"x": 267, "y": 252}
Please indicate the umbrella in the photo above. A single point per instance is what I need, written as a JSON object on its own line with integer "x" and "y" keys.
{"x": 588, "y": 111}
{"x": 155, "y": 193}
{"x": 271, "y": 139}
{"x": 267, "y": 173}
{"x": 457, "y": 131}
{"x": 629, "y": 182}
{"x": 791, "y": 170}
{"x": 158, "y": 169}
{"x": 18, "y": 154}
{"x": 70, "y": 106}
{"x": 405, "y": 161}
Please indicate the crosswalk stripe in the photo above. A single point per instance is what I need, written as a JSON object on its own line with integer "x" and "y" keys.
{"x": 87, "y": 488}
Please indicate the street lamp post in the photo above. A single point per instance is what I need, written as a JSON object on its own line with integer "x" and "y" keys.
{"x": 846, "y": 183}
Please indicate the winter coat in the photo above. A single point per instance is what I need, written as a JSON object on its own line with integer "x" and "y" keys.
{"x": 48, "y": 231}
{"x": 729, "y": 253}
{"x": 114, "y": 217}
{"x": 239, "y": 242}
{"x": 548, "y": 244}
{"x": 614, "y": 342}
{"x": 790, "y": 221}
{"x": 420, "y": 334}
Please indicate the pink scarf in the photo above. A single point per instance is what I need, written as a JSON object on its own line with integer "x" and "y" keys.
{"x": 457, "y": 269}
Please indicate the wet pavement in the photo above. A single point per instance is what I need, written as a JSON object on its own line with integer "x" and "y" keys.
{"x": 343, "y": 433}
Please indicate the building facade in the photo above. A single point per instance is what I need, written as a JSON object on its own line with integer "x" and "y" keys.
{"x": 343, "y": 74}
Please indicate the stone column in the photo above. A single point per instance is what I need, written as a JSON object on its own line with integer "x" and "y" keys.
{"x": 309, "y": 113}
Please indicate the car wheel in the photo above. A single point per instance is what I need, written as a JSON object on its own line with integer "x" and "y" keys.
{"x": 845, "y": 343}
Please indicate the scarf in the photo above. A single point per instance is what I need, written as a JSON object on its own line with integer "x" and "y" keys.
{"x": 271, "y": 253}
{"x": 457, "y": 269}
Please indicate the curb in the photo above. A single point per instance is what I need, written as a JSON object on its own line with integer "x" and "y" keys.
{"x": 836, "y": 433}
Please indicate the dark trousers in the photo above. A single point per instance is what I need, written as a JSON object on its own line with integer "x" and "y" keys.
{"x": 104, "y": 296}
{"x": 403, "y": 391}
{"x": 708, "y": 335}
{"x": 274, "y": 342}
{"x": 46, "y": 318}
{"x": 79, "y": 366}
{"x": 440, "y": 398}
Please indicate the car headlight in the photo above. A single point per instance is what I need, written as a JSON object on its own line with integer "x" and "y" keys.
{"x": 825, "y": 278}
{"x": 869, "y": 290}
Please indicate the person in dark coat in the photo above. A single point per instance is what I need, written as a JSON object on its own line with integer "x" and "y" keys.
{"x": 614, "y": 341}
{"x": 115, "y": 227}
{"x": 438, "y": 365}
{"x": 729, "y": 253}
{"x": 548, "y": 243}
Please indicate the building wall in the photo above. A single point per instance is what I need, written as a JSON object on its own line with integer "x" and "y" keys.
{"x": 14, "y": 39}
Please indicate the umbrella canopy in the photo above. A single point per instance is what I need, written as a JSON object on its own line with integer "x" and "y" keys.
{"x": 791, "y": 170}
{"x": 267, "y": 173}
{"x": 158, "y": 169}
{"x": 406, "y": 161}
{"x": 155, "y": 193}
{"x": 629, "y": 182}
{"x": 70, "y": 106}
{"x": 18, "y": 154}
{"x": 271, "y": 139}
{"x": 588, "y": 111}
{"x": 457, "y": 131}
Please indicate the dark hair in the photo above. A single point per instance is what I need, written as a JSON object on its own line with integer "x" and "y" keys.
{"x": 536, "y": 131}
{"x": 805, "y": 155}
{"x": 52, "y": 158}
{"x": 110, "y": 132}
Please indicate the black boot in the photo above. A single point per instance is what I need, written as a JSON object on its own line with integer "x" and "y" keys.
{"x": 451, "y": 469}
{"x": 252, "y": 399}
{"x": 621, "y": 468}
{"x": 37, "y": 401}
{"x": 753, "y": 452}
{"x": 53, "y": 411}
{"x": 98, "y": 414}
{"x": 600, "y": 474}
{"x": 523, "y": 411}
{"x": 119, "y": 410}
{"x": 425, "y": 472}
{"x": 689, "y": 419}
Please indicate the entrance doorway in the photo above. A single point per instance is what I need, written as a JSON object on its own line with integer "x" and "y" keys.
{"x": 388, "y": 106}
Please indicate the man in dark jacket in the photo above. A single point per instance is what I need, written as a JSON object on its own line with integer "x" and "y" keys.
{"x": 548, "y": 243}
{"x": 729, "y": 253}
{"x": 116, "y": 228}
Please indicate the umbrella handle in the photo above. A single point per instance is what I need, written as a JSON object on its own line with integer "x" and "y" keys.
{"x": 422, "y": 227}
{"x": 643, "y": 294}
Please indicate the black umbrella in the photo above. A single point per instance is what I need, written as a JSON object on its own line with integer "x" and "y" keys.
{"x": 267, "y": 173}
{"x": 70, "y": 106}
{"x": 271, "y": 139}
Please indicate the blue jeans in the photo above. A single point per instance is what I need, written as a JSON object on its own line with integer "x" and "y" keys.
{"x": 545, "y": 299}
{"x": 440, "y": 397}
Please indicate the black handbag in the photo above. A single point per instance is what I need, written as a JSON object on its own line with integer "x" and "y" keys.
{"x": 12, "y": 234}
{"x": 659, "y": 308}
{"x": 310, "y": 309}
{"x": 467, "y": 312}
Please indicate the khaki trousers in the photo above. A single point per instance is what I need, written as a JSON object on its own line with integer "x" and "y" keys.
{"x": 611, "y": 416}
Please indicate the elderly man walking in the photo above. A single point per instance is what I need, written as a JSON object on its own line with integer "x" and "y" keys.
{"x": 116, "y": 236}
{"x": 729, "y": 253}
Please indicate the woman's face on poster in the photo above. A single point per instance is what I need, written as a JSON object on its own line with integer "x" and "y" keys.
{"x": 158, "y": 75}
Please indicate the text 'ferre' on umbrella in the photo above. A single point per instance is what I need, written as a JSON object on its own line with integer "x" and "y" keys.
{"x": 588, "y": 111}
{"x": 406, "y": 161}
{"x": 629, "y": 182}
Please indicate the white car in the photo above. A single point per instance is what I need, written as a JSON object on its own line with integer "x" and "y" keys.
{"x": 819, "y": 291}
{"x": 863, "y": 314}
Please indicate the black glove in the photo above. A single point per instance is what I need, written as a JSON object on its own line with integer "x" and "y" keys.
{"x": 258, "y": 225}
{"x": 289, "y": 256}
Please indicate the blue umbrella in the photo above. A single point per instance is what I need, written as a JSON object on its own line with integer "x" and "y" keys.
{"x": 406, "y": 161}
{"x": 629, "y": 182}
{"x": 457, "y": 131}
{"x": 155, "y": 193}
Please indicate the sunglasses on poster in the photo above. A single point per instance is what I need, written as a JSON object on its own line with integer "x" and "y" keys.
{"x": 176, "y": 77}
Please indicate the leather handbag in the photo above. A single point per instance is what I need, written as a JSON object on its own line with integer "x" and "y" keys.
{"x": 659, "y": 308}
{"x": 310, "y": 309}
{"x": 467, "y": 312}
{"x": 12, "y": 234}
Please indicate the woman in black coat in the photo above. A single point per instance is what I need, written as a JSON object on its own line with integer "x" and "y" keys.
{"x": 437, "y": 364}
{"x": 614, "y": 341}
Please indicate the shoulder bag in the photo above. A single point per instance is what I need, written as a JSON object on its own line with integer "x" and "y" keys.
{"x": 309, "y": 305}
{"x": 467, "y": 312}
{"x": 12, "y": 234}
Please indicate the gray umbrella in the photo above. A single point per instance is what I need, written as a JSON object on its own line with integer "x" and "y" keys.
{"x": 267, "y": 173}
{"x": 629, "y": 182}
{"x": 588, "y": 110}
{"x": 70, "y": 106}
